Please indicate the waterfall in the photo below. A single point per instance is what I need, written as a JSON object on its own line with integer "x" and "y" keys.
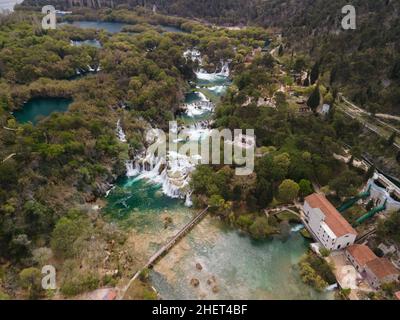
{"x": 297, "y": 228}
{"x": 173, "y": 171}
{"x": 112, "y": 187}
{"x": 215, "y": 76}
{"x": 188, "y": 200}
{"x": 225, "y": 72}
{"x": 198, "y": 108}
{"x": 331, "y": 287}
{"x": 132, "y": 169}
{"x": 120, "y": 132}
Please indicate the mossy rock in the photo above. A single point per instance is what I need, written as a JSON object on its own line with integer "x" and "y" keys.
{"x": 304, "y": 232}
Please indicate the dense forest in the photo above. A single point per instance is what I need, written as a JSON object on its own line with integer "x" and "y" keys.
{"x": 53, "y": 171}
{"x": 363, "y": 63}
{"x": 293, "y": 151}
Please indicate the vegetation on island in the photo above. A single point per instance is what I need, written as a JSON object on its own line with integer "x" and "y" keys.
{"x": 388, "y": 229}
{"x": 316, "y": 272}
{"x": 54, "y": 172}
{"x": 293, "y": 149}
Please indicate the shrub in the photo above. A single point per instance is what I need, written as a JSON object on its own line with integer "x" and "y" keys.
{"x": 79, "y": 284}
{"x": 31, "y": 280}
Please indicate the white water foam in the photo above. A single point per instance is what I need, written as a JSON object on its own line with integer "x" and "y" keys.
{"x": 297, "y": 228}
{"x": 224, "y": 73}
{"x": 120, "y": 132}
{"x": 218, "y": 90}
{"x": 173, "y": 171}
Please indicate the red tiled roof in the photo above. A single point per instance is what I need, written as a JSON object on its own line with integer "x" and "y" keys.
{"x": 382, "y": 268}
{"x": 361, "y": 253}
{"x": 333, "y": 218}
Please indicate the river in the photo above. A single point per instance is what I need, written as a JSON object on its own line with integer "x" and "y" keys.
{"x": 151, "y": 207}
{"x": 233, "y": 266}
{"x": 112, "y": 27}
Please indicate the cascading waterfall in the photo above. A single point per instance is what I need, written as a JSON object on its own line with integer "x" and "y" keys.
{"x": 215, "y": 76}
{"x": 120, "y": 132}
{"x": 173, "y": 171}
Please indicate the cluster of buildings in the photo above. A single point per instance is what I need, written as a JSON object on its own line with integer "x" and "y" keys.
{"x": 382, "y": 189}
{"x": 333, "y": 232}
{"x": 376, "y": 270}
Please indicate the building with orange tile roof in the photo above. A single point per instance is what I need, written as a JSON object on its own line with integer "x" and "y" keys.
{"x": 380, "y": 271}
{"x": 359, "y": 255}
{"x": 326, "y": 224}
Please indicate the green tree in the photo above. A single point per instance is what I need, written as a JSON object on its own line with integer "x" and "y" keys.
{"x": 389, "y": 228}
{"x": 314, "y": 99}
{"x": 391, "y": 139}
{"x": 264, "y": 192}
{"x": 346, "y": 184}
{"x": 66, "y": 232}
{"x": 314, "y": 74}
{"x": 260, "y": 228}
{"x": 288, "y": 191}
{"x": 305, "y": 187}
{"x": 216, "y": 202}
{"x": 280, "y": 50}
{"x": 31, "y": 280}
{"x": 299, "y": 64}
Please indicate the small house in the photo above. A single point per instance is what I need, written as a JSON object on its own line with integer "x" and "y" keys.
{"x": 380, "y": 271}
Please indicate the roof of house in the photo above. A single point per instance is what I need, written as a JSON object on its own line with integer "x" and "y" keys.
{"x": 382, "y": 267}
{"x": 333, "y": 218}
{"x": 361, "y": 253}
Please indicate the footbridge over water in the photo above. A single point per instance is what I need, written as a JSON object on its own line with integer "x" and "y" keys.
{"x": 167, "y": 247}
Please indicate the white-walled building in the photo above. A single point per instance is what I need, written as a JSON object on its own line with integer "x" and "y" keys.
{"x": 359, "y": 255}
{"x": 381, "y": 190}
{"x": 376, "y": 270}
{"x": 380, "y": 271}
{"x": 326, "y": 224}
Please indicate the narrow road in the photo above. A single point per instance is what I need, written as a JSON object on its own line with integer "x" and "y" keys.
{"x": 9, "y": 157}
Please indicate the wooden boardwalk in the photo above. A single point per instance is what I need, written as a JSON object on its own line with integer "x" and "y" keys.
{"x": 167, "y": 247}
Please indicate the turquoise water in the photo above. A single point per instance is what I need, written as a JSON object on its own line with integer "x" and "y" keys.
{"x": 233, "y": 265}
{"x": 138, "y": 202}
{"x": 36, "y": 109}
{"x": 113, "y": 27}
